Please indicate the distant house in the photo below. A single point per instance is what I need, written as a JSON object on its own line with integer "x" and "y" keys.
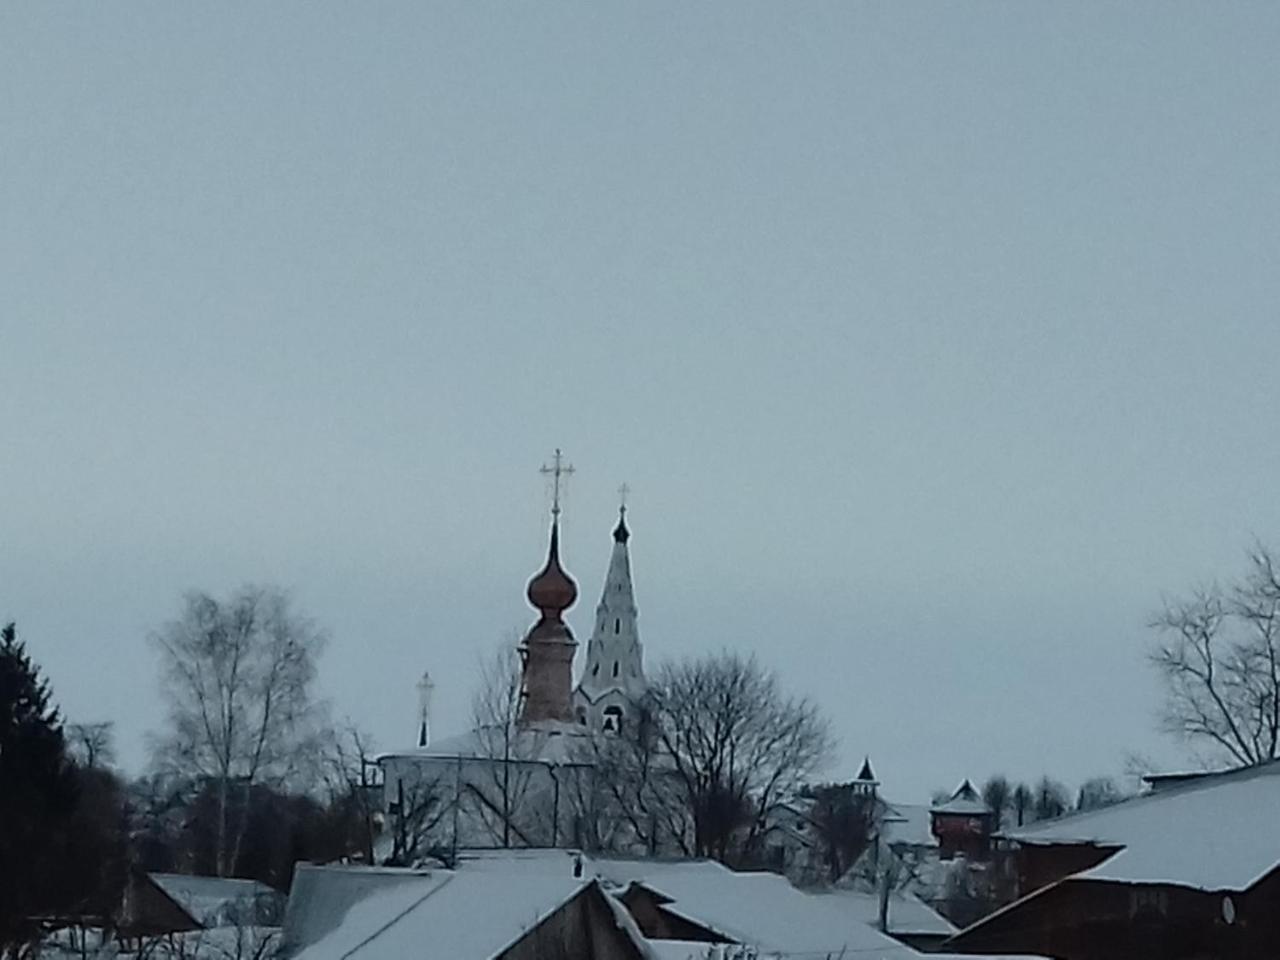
{"x": 1190, "y": 870}
{"x": 963, "y": 824}
{"x": 157, "y": 904}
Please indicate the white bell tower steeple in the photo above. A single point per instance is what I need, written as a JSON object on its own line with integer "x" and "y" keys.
{"x": 613, "y": 682}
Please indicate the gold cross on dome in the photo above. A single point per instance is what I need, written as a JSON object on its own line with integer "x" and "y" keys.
{"x": 556, "y": 471}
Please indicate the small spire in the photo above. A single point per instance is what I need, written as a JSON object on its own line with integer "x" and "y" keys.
{"x": 620, "y": 533}
{"x": 425, "y": 687}
{"x": 866, "y": 773}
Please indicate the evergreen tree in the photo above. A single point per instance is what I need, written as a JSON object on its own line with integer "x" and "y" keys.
{"x": 37, "y": 797}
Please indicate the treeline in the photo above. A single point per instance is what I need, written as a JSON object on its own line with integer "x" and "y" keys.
{"x": 247, "y": 777}
{"x": 1019, "y": 804}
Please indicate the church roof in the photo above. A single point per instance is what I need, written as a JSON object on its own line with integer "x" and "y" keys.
{"x": 547, "y": 741}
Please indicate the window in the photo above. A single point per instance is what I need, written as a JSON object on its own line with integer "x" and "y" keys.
{"x": 595, "y": 671}
{"x": 615, "y": 668}
{"x": 612, "y": 719}
{"x": 617, "y": 625}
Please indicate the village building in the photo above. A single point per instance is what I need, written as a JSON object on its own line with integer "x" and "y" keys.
{"x": 1190, "y": 870}
{"x": 182, "y": 910}
{"x": 963, "y": 824}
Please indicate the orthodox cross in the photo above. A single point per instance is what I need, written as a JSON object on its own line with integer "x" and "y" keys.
{"x": 623, "y": 492}
{"x": 557, "y": 470}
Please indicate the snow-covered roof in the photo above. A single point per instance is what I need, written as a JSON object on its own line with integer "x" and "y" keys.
{"x": 964, "y": 802}
{"x": 546, "y": 742}
{"x": 214, "y": 901}
{"x": 908, "y": 823}
{"x": 760, "y": 909}
{"x": 908, "y": 914}
{"x": 1212, "y": 833}
{"x": 471, "y": 913}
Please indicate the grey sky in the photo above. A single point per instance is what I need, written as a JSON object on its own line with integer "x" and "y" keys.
{"x": 935, "y": 341}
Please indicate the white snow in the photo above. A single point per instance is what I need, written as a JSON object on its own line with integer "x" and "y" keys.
{"x": 1217, "y": 833}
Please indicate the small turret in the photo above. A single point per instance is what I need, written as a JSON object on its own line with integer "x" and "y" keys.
{"x": 425, "y": 688}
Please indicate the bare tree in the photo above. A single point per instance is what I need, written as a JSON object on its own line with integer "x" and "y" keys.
{"x": 420, "y": 808}
{"x": 1021, "y": 804}
{"x": 1219, "y": 656}
{"x": 237, "y": 674}
{"x": 500, "y": 796}
{"x": 998, "y": 796}
{"x": 844, "y": 820}
{"x": 352, "y": 778}
{"x": 91, "y": 744}
{"x": 1050, "y": 799}
{"x": 632, "y": 801}
{"x": 1098, "y": 792}
{"x": 736, "y": 745}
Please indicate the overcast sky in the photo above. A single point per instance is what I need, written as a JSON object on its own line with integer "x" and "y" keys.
{"x": 934, "y": 340}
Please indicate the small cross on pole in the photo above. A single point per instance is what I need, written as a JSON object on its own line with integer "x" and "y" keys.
{"x": 623, "y": 492}
{"x": 557, "y": 470}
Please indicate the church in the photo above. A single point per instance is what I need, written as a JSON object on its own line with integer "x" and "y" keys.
{"x": 525, "y": 775}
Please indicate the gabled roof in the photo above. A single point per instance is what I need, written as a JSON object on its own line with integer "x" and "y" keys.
{"x": 213, "y": 901}
{"x": 1220, "y": 832}
{"x": 472, "y": 913}
{"x": 760, "y": 909}
{"x": 966, "y": 801}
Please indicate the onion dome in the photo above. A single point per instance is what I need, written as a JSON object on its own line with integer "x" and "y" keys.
{"x": 552, "y": 591}
{"x": 620, "y": 533}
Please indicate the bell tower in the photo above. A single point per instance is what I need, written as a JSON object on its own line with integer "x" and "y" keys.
{"x": 613, "y": 682}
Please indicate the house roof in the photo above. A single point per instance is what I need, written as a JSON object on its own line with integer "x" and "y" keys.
{"x": 207, "y": 898}
{"x": 759, "y": 909}
{"x": 908, "y": 823}
{"x": 966, "y": 801}
{"x": 472, "y": 913}
{"x": 765, "y": 910}
{"x": 1218, "y": 832}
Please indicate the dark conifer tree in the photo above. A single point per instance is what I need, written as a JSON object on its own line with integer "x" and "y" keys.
{"x": 37, "y": 797}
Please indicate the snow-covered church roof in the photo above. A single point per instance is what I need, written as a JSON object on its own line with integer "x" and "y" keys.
{"x": 547, "y": 741}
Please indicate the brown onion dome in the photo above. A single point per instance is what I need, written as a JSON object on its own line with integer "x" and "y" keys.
{"x": 552, "y": 590}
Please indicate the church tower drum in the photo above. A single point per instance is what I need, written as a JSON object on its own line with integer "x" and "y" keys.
{"x": 613, "y": 682}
